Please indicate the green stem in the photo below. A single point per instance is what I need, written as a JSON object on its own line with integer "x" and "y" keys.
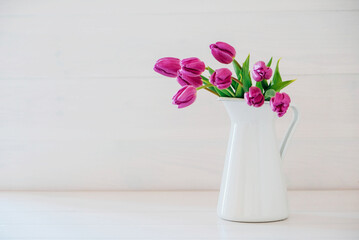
{"x": 229, "y": 92}
{"x": 204, "y": 86}
{"x": 235, "y": 79}
{"x": 209, "y": 90}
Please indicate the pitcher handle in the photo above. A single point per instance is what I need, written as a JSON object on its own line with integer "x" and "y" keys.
{"x": 290, "y": 131}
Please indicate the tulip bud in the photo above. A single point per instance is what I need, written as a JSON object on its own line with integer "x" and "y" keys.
{"x": 254, "y": 97}
{"x": 280, "y": 103}
{"x": 221, "y": 78}
{"x": 261, "y": 71}
{"x": 185, "y": 96}
{"x": 223, "y": 52}
{"x": 192, "y": 66}
{"x": 167, "y": 66}
{"x": 185, "y": 80}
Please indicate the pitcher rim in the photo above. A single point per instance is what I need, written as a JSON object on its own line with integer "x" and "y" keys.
{"x": 236, "y": 99}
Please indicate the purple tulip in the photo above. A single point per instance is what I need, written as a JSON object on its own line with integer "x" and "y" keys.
{"x": 223, "y": 52}
{"x": 185, "y": 80}
{"x": 261, "y": 71}
{"x": 221, "y": 78}
{"x": 254, "y": 97}
{"x": 192, "y": 66}
{"x": 185, "y": 96}
{"x": 167, "y": 66}
{"x": 280, "y": 103}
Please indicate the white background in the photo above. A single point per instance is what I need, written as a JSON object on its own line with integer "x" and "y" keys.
{"x": 81, "y": 107}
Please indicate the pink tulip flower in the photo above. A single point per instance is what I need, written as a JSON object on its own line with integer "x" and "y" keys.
{"x": 280, "y": 103}
{"x": 185, "y": 80}
{"x": 221, "y": 78}
{"x": 261, "y": 71}
{"x": 167, "y": 66}
{"x": 223, "y": 52}
{"x": 254, "y": 97}
{"x": 185, "y": 96}
{"x": 192, "y": 66}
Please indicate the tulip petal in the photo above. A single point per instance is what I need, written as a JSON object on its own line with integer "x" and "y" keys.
{"x": 221, "y": 78}
{"x": 280, "y": 103}
{"x": 254, "y": 97}
{"x": 223, "y": 52}
{"x": 185, "y": 96}
{"x": 167, "y": 66}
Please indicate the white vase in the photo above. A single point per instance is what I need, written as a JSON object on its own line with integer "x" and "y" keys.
{"x": 253, "y": 188}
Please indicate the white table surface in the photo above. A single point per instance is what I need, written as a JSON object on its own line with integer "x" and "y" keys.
{"x": 169, "y": 215}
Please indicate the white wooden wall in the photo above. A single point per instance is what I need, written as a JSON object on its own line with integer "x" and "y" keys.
{"x": 81, "y": 108}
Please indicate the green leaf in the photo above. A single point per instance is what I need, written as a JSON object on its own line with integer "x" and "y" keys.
{"x": 279, "y": 86}
{"x": 246, "y": 78}
{"x": 233, "y": 90}
{"x": 234, "y": 84}
{"x": 222, "y": 93}
{"x": 204, "y": 79}
{"x": 277, "y": 83}
{"x": 237, "y": 68}
{"x": 228, "y": 91}
{"x": 276, "y": 77}
{"x": 239, "y": 90}
{"x": 264, "y": 84}
{"x": 259, "y": 85}
{"x": 206, "y": 82}
{"x": 210, "y": 70}
{"x": 269, "y": 94}
{"x": 214, "y": 90}
{"x": 270, "y": 62}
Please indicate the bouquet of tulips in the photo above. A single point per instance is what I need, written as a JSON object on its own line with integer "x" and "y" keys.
{"x": 189, "y": 74}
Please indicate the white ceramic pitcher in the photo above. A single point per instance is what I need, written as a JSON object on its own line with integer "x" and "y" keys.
{"x": 253, "y": 187}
